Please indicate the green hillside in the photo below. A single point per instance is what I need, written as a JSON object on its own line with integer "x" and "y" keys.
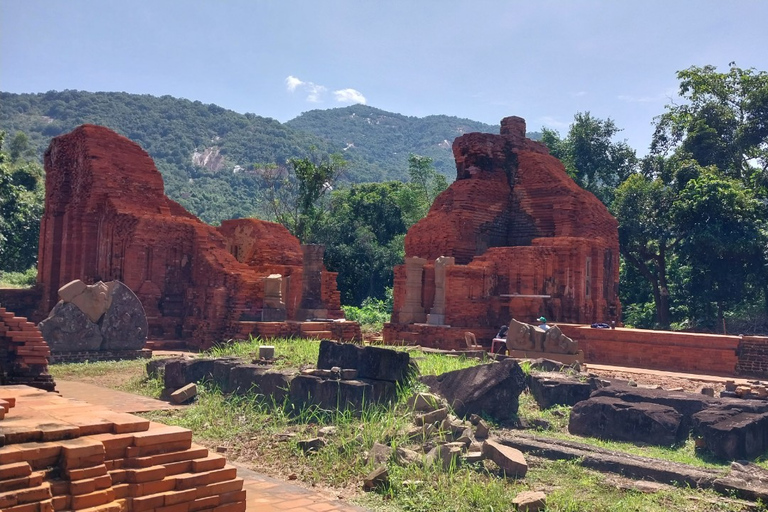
{"x": 209, "y": 156}
{"x": 379, "y": 142}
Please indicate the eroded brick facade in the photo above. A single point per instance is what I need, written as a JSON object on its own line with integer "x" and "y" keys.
{"x": 107, "y": 217}
{"x": 515, "y": 237}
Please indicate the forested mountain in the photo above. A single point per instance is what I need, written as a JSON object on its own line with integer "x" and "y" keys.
{"x": 210, "y": 157}
{"x": 379, "y": 142}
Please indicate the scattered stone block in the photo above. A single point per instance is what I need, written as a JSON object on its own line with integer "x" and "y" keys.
{"x": 550, "y": 389}
{"x": 530, "y": 501}
{"x": 488, "y": 389}
{"x": 312, "y": 445}
{"x": 379, "y": 453}
{"x": 612, "y": 418}
{"x": 406, "y": 457}
{"x": 267, "y": 352}
{"x": 424, "y": 402}
{"x": 431, "y": 418}
{"x": 733, "y": 432}
{"x": 374, "y": 363}
{"x": 184, "y": 394}
{"x": 328, "y": 431}
{"x": 376, "y": 479}
{"x": 510, "y": 460}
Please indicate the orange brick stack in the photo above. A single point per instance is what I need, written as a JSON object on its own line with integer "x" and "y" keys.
{"x": 107, "y": 217}
{"x": 23, "y": 353}
{"x": 526, "y": 241}
{"x": 62, "y": 455}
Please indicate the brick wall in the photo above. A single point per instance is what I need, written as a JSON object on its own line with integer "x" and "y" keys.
{"x": 753, "y": 356}
{"x": 660, "y": 350}
{"x": 22, "y": 301}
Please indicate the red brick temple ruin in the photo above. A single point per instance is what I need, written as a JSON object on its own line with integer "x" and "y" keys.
{"x": 513, "y": 237}
{"x": 107, "y": 218}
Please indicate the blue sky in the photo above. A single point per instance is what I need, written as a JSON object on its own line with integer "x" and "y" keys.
{"x": 483, "y": 60}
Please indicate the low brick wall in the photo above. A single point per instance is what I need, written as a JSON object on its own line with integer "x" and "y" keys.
{"x": 435, "y": 336}
{"x": 753, "y": 356}
{"x": 660, "y": 350}
{"x": 23, "y": 301}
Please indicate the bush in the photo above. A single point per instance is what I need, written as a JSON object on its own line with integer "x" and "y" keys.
{"x": 372, "y": 314}
{"x": 18, "y": 279}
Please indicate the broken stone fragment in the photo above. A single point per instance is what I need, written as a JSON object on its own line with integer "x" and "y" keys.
{"x": 473, "y": 457}
{"x": 530, "y": 501}
{"x": 446, "y": 455}
{"x": 377, "y": 478}
{"x": 420, "y": 434}
{"x": 406, "y": 457}
{"x": 482, "y": 429}
{"x": 431, "y": 417}
{"x": 328, "y": 431}
{"x": 348, "y": 374}
{"x": 510, "y": 460}
{"x": 379, "y": 454}
{"x": 424, "y": 402}
{"x": 708, "y": 391}
{"x": 466, "y": 437}
{"x": 184, "y": 394}
{"x": 311, "y": 445}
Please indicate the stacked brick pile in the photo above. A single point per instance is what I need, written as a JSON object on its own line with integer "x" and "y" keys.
{"x": 62, "y": 455}
{"x": 107, "y": 218}
{"x": 23, "y": 353}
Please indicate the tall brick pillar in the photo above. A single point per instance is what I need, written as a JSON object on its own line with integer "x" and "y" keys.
{"x": 413, "y": 311}
{"x": 436, "y": 315}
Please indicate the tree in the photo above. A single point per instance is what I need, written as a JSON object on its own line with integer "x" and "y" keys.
{"x": 21, "y": 207}
{"x": 723, "y": 122}
{"x": 647, "y": 234}
{"x": 722, "y": 227}
{"x": 424, "y": 186}
{"x": 591, "y": 157}
{"x": 363, "y": 233}
{"x": 294, "y": 197}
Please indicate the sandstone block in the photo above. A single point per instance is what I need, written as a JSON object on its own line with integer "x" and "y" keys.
{"x": 510, "y": 460}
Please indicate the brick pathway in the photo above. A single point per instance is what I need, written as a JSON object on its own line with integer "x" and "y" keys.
{"x": 264, "y": 494}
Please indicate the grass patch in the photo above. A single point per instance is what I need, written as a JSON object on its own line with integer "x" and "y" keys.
{"x": 289, "y": 352}
{"x": 18, "y": 279}
{"x": 127, "y": 375}
{"x": 264, "y": 435}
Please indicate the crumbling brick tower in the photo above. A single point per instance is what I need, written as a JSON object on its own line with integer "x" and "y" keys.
{"x": 513, "y": 236}
{"x": 107, "y": 217}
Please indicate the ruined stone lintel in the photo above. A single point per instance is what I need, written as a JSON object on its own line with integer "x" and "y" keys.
{"x": 413, "y": 311}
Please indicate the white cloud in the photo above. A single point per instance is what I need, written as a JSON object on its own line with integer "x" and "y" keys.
{"x": 292, "y": 83}
{"x": 579, "y": 94}
{"x": 349, "y": 96}
{"x": 313, "y": 90}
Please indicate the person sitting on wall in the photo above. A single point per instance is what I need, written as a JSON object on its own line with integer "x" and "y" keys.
{"x": 503, "y": 332}
{"x": 543, "y": 323}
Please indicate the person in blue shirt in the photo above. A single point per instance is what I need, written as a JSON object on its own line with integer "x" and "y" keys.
{"x": 543, "y": 323}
